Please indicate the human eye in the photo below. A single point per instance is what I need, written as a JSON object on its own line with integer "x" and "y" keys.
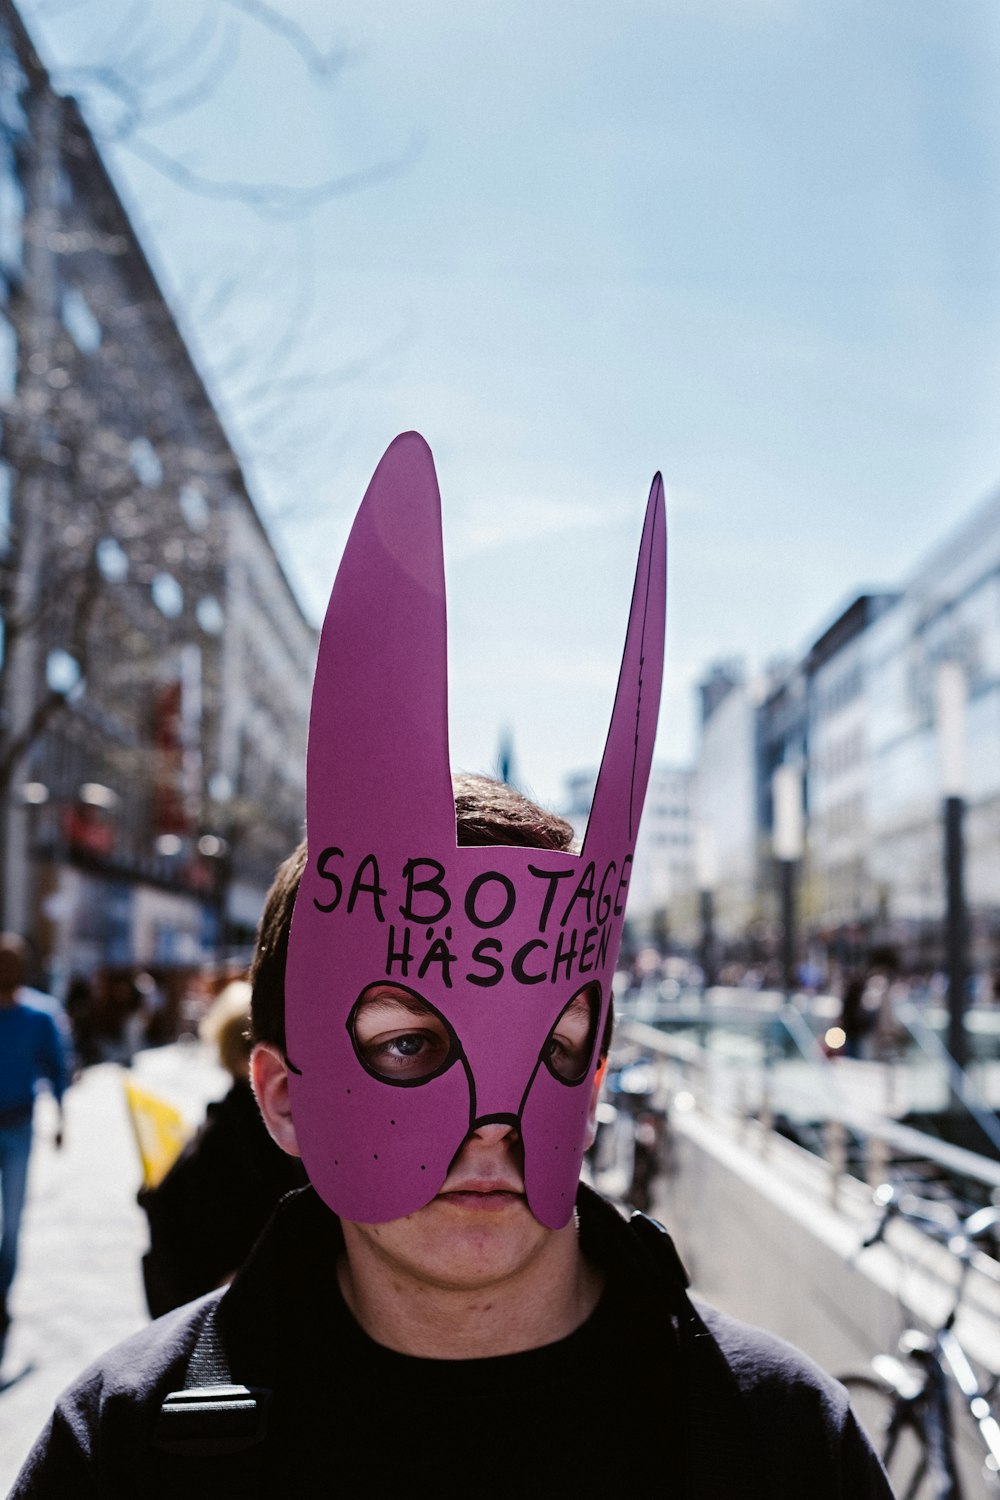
{"x": 570, "y": 1043}
{"x": 398, "y": 1036}
{"x": 413, "y": 1054}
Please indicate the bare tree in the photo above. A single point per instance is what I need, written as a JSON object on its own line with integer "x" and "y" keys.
{"x": 141, "y": 77}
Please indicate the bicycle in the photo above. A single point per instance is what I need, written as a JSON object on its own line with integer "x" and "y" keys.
{"x": 628, "y": 1154}
{"x": 904, "y": 1401}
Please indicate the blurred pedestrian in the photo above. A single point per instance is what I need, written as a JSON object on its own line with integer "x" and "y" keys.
{"x": 210, "y": 1207}
{"x": 855, "y": 1020}
{"x": 80, "y": 1014}
{"x": 32, "y": 1048}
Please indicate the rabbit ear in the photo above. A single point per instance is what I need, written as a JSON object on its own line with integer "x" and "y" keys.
{"x": 628, "y": 753}
{"x": 378, "y": 731}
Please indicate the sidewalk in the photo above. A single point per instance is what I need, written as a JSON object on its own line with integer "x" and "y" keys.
{"x": 79, "y": 1286}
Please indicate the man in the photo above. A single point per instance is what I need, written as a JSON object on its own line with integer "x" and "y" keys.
{"x": 445, "y": 1309}
{"x": 31, "y": 1049}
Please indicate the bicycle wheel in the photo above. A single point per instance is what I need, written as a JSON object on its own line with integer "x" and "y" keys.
{"x": 894, "y": 1433}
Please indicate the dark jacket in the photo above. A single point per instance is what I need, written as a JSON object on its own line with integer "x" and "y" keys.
{"x": 206, "y": 1214}
{"x": 756, "y": 1418}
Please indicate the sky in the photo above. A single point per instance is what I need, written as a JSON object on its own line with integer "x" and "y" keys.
{"x": 755, "y": 246}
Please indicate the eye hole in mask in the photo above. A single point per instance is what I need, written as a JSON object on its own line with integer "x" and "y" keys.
{"x": 570, "y": 1044}
{"x": 399, "y": 1037}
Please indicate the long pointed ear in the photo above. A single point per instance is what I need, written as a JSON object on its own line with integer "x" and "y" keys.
{"x": 628, "y": 753}
{"x": 378, "y": 731}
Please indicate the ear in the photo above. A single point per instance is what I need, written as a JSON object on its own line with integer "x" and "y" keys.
{"x": 383, "y": 661}
{"x": 595, "y": 1099}
{"x": 628, "y": 752}
{"x": 269, "y": 1076}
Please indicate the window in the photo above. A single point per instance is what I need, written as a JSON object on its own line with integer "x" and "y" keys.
{"x": 62, "y": 671}
{"x": 194, "y": 506}
{"x": 4, "y": 507}
{"x": 145, "y": 462}
{"x": 80, "y": 323}
{"x": 8, "y": 358}
{"x": 209, "y": 615}
{"x": 11, "y": 219}
{"x": 168, "y": 596}
{"x": 12, "y": 85}
{"x": 112, "y": 559}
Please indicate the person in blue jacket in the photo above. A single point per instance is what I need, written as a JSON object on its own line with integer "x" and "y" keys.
{"x": 31, "y": 1049}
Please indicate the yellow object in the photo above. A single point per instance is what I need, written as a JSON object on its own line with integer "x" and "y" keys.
{"x": 161, "y": 1132}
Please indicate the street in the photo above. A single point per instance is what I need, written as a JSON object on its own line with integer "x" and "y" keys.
{"x": 79, "y": 1286}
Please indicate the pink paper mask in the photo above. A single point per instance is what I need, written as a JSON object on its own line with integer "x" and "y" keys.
{"x": 496, "y": 941}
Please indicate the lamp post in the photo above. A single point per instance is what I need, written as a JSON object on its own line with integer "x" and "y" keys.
{"x": 706, "y": 869}
{"x": 786, "y": 844}
{"x": 951, "y": 700}
{"x": 217, "y": 844}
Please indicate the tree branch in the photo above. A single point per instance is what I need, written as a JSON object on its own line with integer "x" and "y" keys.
{"x": 271, "y": 199}
{"x": 198, "y": 93}
{"x": 52, "y": 703}
{"x": 325, "y": 66}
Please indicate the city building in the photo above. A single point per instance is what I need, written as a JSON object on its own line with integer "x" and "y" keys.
{"x": 156, "y": 665}
{"x": 663, "y": 867}
{"x": 948, "y": 613}
{"x": 857, "y": 715}
{"x": 726, "y": 800}
{"x": 842, "y": 899}
{"x": 782, "y": 739}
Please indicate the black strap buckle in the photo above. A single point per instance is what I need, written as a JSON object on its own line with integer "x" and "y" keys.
{"x": 212, "y": 1419}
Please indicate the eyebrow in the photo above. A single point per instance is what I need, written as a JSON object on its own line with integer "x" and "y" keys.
{"x": 394, "y": 1000}
{"x": 587, "y": 1000}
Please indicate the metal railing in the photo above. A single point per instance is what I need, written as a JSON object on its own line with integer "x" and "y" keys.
{"x": 765, "y": 1062}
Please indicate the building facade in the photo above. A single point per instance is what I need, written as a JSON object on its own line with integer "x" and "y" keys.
{"x": 726, "y": 800}
{"x": 156, "y": 665}
{"x": 857, "y": 714}
{"x": 843, "y": 899}
{"x": 948, "y": 613}
{"x": 663, "y": 867}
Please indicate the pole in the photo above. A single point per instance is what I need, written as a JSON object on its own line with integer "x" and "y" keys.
{"x": 789, "y": 972}
{"x": 707, "y": 940}
{"x": 956, "y": 929}
{"x": 787, "y": 843}
{"x": 951, "y": 693}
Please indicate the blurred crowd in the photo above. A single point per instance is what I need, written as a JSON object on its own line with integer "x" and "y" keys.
{"x": 116, "y": 1012}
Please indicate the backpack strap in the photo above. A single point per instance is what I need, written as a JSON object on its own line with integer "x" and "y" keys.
{"x": 654, "y": 1238}
{"x": 211, "y": 1416}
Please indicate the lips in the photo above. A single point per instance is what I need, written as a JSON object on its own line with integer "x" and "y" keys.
{"x": 483, "y": 1194}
